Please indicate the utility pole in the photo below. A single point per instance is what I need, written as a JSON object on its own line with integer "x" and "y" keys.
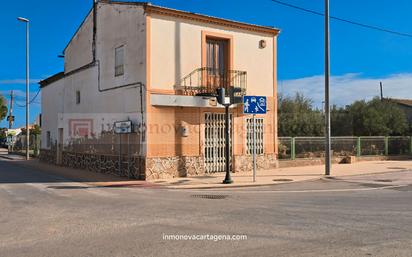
{"x": 11, "y": 118}
{"x": 327, "y": 93}
{"x": 381, "y": 85}
{"x": 27, "y": 22}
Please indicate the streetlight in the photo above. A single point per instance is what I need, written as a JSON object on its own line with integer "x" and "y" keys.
{"x": 27, "y": 85}
{"x": 327, "y": 93}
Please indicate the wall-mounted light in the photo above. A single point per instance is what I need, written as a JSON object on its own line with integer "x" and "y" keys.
{"x": 262, "y": 43}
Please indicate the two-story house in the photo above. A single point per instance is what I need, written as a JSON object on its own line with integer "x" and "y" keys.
{"x": 158, "y": 69}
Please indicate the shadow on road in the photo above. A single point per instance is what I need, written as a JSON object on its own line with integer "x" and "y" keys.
{"x": 33, "y": 171}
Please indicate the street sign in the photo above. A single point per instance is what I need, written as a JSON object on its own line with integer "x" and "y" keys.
{"x": 123, "y": 127}
{"x": 254, "y": 104}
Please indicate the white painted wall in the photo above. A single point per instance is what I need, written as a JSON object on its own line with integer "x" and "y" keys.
{"x": 176, "y": 50}
{"x": 119, "y": 25}
{"x": 80, "y": 43}
{"x": 116, "y": 25}
{"x": 51, "y": 106}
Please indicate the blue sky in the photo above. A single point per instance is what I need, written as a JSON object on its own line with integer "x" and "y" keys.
{"x": 360, "y": 58}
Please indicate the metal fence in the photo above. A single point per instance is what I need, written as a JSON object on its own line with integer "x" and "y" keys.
{"x": 108, "y": 144}
{"x": 18, "y": 146}
{"x": 314, "y": 147}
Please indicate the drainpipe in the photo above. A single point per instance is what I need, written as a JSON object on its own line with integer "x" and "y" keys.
{"x": 94, "y": 29}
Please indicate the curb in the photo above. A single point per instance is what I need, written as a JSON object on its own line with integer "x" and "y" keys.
{"x": 6, "y": 157}
{"x": 218, "y": 186}
{"x": 363, "y": 174}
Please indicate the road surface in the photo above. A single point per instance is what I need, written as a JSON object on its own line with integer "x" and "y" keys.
{"x": 45, "y": 215}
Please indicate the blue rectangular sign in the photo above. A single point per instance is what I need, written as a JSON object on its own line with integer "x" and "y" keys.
{"x": 254, "y": 104}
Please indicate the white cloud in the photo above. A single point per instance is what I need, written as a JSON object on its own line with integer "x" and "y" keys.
{"x": 349, "y": 87}
{"x": 17, "y": 81}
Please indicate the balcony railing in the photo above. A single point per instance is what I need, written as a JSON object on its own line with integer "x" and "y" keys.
{"x": 205, "y": 81}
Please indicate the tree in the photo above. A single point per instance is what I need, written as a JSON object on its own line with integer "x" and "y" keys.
{"x": 34, "y": 131}
{"x": 372, "y": 118}
{"x": 3, "y": 108}
{"x": 341, "y": 122}
{"x": 297, "y": 117}
{"x": 3, "y": 135}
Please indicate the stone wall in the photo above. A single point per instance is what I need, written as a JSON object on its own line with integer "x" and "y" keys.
{"x": 244, "y": 163}
{"x": 172, "y": 167}
{"x": 48, "y": 156}
{"x": 108, "y": 164}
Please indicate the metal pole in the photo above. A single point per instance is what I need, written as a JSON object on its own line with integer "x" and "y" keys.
{"x": 327, "y": 93}
{"x": 228, "y": 179}
{"x": 128, "y": 155}
{"x": 120, "y": 154}
{"x": 381, "y": 86}
{"x": 11, "y": 110}
{"x": 254, "y": 148}
{"x": 27, "y": 84}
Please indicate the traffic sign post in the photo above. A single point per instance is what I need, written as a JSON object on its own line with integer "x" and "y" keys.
{"x": 254, "y": 105}
{"x": 123, "y": 127}
{"x": 254, "y": 147}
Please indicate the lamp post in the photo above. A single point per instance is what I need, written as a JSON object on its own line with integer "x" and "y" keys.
{"x": 327, "y": 93}
{"x": 27, "y": 85}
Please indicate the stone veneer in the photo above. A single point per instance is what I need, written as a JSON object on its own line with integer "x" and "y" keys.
{"x": 172, "y": 167}
{"x": 48, "y": 156}
{"x": 244, "y": 163}
{"x": 108, "y": 164}
{"x": 151, "y": 168}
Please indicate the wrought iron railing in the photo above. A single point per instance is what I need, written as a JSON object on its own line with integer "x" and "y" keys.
{"x": 205, "y": 81}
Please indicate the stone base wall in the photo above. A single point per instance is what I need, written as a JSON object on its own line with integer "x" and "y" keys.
{"x": 152, "y": 168}
{"x": 244, "y": 163}
{"x": 173, "y": 167}
{"x": 177, "y": 166}
{"x": 108, "y": 164}
{"x": 48, "y": 156}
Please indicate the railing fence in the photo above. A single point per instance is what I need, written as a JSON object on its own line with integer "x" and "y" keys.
{"x": 313, "y": 147}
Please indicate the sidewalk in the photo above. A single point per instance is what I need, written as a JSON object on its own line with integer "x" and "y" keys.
{"x": 264, "y": 178}
{"x": 15, "y": 157}
{"x": 286, "y": 175}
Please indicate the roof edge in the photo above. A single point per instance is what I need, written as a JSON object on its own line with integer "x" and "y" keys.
{"x": 45, "y": 82}
{"x": 199, "y": 17}
{"x": 210, "y": 19}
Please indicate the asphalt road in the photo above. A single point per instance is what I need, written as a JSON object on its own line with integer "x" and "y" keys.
{"x": 45, "y": 215}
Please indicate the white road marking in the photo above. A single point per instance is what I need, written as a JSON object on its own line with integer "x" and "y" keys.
{"x": 298, "y": 191}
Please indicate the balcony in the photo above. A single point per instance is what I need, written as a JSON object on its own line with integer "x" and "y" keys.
{"x": 205, "y": 81}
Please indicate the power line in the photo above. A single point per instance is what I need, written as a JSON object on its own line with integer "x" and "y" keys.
{"x": 31, "y": 101}
{"x": 344, "y": 20}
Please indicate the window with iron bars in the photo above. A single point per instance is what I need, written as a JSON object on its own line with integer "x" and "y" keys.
{"x": 259, "y": 135}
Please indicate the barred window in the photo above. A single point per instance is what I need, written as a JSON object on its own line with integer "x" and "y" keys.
{"x": 259, "y": 135}
{"x": 119, "y": 61}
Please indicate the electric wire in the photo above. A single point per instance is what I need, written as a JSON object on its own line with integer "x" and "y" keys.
{"x": 344, "y": 20}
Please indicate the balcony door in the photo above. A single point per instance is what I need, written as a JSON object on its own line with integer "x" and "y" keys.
{"x": 217, "y": 62}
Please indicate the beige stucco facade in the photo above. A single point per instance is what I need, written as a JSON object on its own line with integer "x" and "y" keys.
{"x": 161, "y": 47}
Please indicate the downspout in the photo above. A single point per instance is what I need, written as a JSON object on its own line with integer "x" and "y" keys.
{"x": 94, "y": 29}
